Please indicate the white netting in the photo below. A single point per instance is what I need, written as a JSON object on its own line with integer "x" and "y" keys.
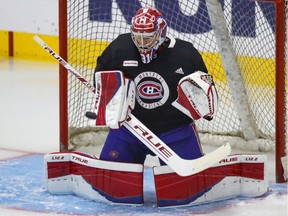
{"x": 93, "y": 24}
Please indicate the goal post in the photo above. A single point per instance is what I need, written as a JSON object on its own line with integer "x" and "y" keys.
{"x": 63, "y": 77}
{"x": 243, "y": 43}
{"x": 281, "y": 90}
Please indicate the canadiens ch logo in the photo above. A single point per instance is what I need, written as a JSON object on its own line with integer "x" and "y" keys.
{"x": 152, "y": 90}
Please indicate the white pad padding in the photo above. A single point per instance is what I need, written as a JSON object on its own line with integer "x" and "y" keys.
{"x": 197, "y": 96}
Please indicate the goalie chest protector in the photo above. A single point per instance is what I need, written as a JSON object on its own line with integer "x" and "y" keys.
{"x": 156, "y": 82}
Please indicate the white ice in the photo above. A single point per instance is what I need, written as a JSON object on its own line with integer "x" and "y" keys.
{"x": 29, "y": 124}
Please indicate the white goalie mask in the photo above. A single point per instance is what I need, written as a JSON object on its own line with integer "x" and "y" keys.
{"x": 148, "y": 31}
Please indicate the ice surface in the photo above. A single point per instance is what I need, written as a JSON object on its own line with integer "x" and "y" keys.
{"x": 29, "y": 128}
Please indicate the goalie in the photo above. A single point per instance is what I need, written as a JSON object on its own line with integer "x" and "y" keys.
{"x": 164, "y": 82}
{"x": 172, "y": 86}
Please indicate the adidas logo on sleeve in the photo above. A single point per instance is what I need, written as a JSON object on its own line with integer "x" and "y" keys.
{"x": 179, "y": 71}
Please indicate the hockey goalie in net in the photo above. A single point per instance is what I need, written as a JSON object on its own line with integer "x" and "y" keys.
{"x": 163, "y": 82}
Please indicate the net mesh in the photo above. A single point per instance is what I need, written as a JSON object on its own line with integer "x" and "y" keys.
{"x": 93, "y": 24}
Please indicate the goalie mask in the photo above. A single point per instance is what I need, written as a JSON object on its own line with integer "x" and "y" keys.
{"x": 148, "y": 31}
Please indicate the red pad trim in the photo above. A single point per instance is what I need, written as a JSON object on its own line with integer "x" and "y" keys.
{"x": 58, "y": 169}
{"x": 118, "y": 184}
{"x": 110, "y": 83}
{"x": 185, "y": 102}
{"x": 115, "y": 185}
{"x": 180, "y": 189}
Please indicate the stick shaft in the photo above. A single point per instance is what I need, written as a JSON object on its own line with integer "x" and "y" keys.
{"x": 64, "y": 63}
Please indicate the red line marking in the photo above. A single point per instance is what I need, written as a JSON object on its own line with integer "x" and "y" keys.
{"x": 23, "y": 154}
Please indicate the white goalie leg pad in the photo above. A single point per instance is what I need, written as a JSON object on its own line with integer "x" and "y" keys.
{"x": 102, "y": 181}
{"x": 53, "y": 164}
{"x": 114, "y": 98}
{"x": 236, "y": 175}
{"x": 197, "y": 96}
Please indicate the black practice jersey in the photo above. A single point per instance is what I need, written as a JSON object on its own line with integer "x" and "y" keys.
{"x": 156, "y": 82}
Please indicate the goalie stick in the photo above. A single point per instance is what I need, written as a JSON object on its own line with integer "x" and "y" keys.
{"x": 182, "y": 167}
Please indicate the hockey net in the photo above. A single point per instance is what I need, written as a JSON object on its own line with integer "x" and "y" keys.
{"x": 243, "y": 44}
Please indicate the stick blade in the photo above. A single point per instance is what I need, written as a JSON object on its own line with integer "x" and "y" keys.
{"x": 206, "y": 161}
